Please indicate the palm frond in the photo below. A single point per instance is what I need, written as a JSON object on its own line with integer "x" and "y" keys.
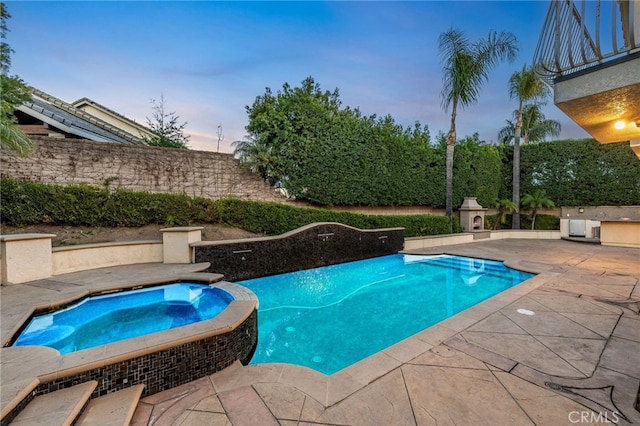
{"x": 466, "y": 65}
{"x": 534, "y": 124}
{"x": 11, "y": 137}
{"x": 526, "y": 86}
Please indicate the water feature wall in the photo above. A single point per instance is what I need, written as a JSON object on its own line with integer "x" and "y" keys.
{"x": 310, "y": 246}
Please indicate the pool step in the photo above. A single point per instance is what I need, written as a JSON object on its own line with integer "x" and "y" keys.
{"x": 73, "y": 406}
{"x": 61, "y": 407}
{"x": 449, "y": 262}
{"x": 114, "y": 409}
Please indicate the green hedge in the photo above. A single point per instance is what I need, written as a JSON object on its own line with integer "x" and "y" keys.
{"x": 581, "y": 172}
{"x": 25, "y": 203}
{"x": 275, "y": 218}
{"x": 544, "y": 222}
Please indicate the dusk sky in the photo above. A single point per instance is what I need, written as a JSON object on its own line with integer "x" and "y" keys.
{"x": 210, "y": 59}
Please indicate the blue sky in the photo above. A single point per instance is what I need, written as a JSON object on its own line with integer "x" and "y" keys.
{"x": 210, "y": 59}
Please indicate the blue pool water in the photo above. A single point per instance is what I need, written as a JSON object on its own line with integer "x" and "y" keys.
{"x": 331, "y": 317}
{"x": 99, "y": 320}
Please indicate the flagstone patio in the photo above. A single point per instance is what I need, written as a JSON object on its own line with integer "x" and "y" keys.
{"x": 561, "y": 348}
{"x": 576, "y": 360}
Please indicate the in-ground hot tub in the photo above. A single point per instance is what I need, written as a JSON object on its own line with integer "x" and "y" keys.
{"x": 159, "y": 360}
{"x": 109, "y": 318}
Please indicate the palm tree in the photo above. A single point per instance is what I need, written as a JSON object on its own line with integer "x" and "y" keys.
{"x": 257, "y": 158}
{"x": 13, "y": 93}
{"x": 11, "y": 137}
{"x": 535, "y": 126}
{"x": 504, "y": 207}
{"x": 535, "y": 202}
{"x": 466, "y": 67}
{"x": 524, "y": 86}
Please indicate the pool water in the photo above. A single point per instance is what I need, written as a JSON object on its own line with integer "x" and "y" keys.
{"x": 99, "y": 320}
{"x": 331, "y": 317}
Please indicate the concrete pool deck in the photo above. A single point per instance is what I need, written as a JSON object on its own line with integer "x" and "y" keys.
{"x": 575, "y": 361}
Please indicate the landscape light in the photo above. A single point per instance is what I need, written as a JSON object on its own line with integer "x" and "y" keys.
{"x": 619, "y": 124}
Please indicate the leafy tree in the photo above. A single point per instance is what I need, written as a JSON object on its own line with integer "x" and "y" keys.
{"x": 535, "y": 126}
{"x": 14, "y": 93}
{"x": 524, "y": 86}
{"x": 302, "y": 138}
{"x": 535, "y": 202}
{"x": 165, "y": 127}
{"x": 466, "y": 68}
{"x": 288, "y": 124}
{"x": 504, "y": 206}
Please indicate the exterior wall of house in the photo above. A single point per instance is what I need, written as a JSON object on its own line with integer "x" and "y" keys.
{"x": 137, "y": 168}
{"x": 137, "y": 131}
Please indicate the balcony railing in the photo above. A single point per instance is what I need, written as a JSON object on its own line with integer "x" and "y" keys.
{"x": 584, "y": 33}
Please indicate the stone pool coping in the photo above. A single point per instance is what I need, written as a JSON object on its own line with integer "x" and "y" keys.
{"x": 28, "y": 370}
{"x": 330, "y": 389}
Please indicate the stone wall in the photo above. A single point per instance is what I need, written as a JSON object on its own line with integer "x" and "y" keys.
{"x": 137, "y": 168}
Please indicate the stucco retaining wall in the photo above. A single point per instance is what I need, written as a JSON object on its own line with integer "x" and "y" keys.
{"x": 102, "y": 255}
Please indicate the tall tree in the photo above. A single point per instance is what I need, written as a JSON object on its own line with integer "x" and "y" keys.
{"x": 524, "y": 86}
{"x": 466, "y": 67}
{"x": 535, "y": 126}
{"x": 165, "y": 127}
{"x": 303, "y": 139}
{"x": 14, "y": 92}
{"x": 288, "y": 126}
{"x": 536, "y": 202}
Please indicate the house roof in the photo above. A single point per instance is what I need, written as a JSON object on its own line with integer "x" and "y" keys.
{"x": 70, "y": 119}
{"x": 86, "y": 101}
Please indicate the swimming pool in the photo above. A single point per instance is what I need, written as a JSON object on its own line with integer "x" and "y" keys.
{"x": 99, "y": 320}
{"x": 331, "y": 317}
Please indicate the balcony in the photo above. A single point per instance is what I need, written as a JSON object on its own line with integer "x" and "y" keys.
{"x": 589, "y": 52}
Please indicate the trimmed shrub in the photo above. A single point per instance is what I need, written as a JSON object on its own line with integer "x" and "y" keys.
{"x": 544, "y": 222}
{"x": 25, "y": 203}
{"x": 275, "y": 218}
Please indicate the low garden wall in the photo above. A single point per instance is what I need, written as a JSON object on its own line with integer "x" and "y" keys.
{"x": 102, "y": 255}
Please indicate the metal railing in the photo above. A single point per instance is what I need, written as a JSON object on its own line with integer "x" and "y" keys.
{"x": 583, "y": 33}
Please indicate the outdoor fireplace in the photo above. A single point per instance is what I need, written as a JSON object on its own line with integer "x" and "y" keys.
{"x": 471, "y": 215}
